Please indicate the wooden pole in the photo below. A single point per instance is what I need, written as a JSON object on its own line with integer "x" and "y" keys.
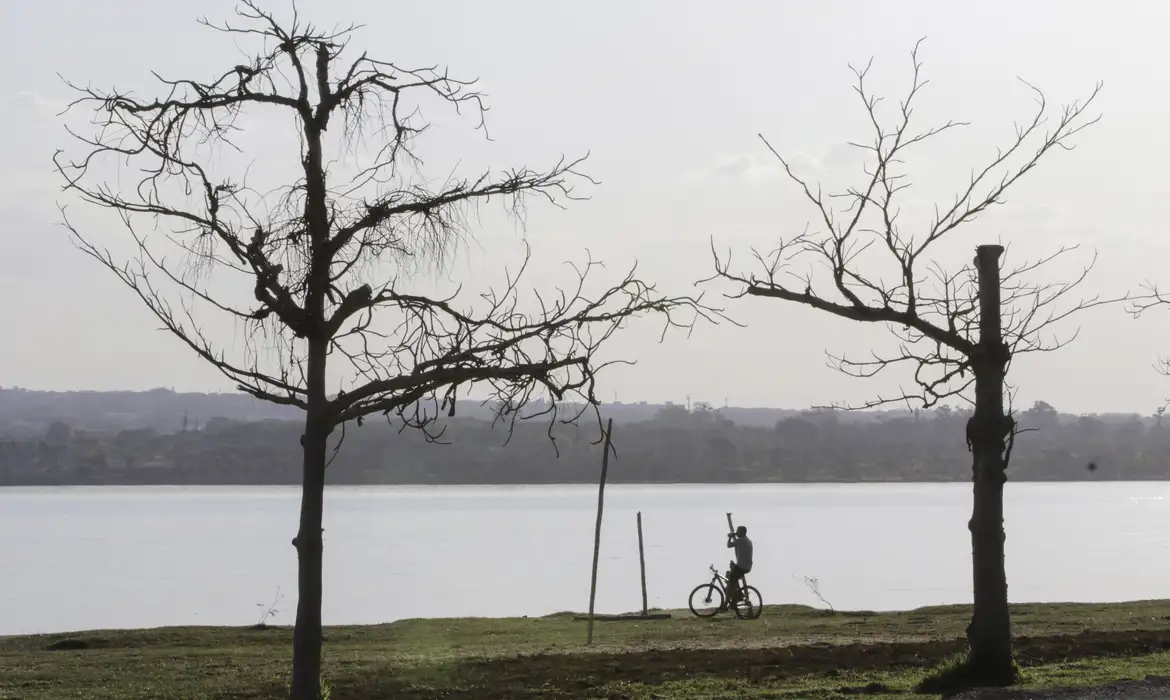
{"x": 597, "y": 529}
{"x": 642, "y": 565}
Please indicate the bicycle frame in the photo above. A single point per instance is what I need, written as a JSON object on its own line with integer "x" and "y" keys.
{"x": 718, "y": 577}
{"x": 720, "y": 581}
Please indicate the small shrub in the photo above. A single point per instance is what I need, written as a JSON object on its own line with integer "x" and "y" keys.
{"x": 814, "y": 585}
{"x": 267, "y": 611}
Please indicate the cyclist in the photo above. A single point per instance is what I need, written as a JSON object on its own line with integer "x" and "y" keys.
{"x": 739, "y": 541}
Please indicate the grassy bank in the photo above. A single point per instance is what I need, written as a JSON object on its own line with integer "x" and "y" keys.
{"x": 792, "y": 651}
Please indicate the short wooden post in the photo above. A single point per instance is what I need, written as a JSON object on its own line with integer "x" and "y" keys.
{"x": 597, "y": 529}
{"x": 642, "y": 565}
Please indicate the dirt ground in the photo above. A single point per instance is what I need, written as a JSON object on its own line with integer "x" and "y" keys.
{"x": 533, "y": 675}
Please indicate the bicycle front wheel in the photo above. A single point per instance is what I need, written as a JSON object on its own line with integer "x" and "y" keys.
{"x": 750, "y": 605}
{"x": 706, "y": 600}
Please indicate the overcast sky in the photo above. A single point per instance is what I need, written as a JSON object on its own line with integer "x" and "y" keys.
{"x": 667, "y": 96}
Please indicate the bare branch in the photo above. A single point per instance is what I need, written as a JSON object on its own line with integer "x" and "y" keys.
{"x": 1149, "y": 297}
{"x": 548, "y": 352}
{"x": 325, "y": 258}
{"x": 836, "y": 264}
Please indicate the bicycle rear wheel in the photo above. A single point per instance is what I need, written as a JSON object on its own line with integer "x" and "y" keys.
{"x": 706, "y": 600}
{"x": 750, "y": 604}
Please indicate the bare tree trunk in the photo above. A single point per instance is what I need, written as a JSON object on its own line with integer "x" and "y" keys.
{"x": 307, "y": 635}
{"x": 989, "y": 634}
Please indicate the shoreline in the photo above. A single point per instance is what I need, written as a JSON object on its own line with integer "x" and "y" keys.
{"x": 677, "y": 614}
{"x": 609, "y": 483}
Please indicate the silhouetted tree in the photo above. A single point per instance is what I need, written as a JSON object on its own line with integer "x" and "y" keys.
{"x": 1041, "y": 416}
{"x": 327, "y": 255}
{"x": 880, "y": 273}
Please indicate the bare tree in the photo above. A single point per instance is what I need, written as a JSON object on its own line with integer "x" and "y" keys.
{"x": 878, "y": 272}
{"x": 323, "y": 263}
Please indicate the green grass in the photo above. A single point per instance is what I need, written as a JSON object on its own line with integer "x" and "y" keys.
{"x": 790, "y": 652}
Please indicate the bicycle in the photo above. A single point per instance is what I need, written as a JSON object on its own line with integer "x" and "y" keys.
{"x": 749, "y": 606}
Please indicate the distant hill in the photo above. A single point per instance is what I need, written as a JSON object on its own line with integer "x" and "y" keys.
{"x": 27, "y": 413}
{"x": 163, "y": 437}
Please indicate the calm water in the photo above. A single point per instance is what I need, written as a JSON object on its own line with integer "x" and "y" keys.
{"x": 81, "y": 558}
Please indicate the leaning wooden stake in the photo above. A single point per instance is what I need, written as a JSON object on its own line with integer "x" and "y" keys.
{"x": 597, "y": 529}
{"x": 642, "y": 564}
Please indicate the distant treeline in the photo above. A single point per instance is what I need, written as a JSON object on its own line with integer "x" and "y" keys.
{"x": 26, "y": 413}
{"x": 675, "y": 444}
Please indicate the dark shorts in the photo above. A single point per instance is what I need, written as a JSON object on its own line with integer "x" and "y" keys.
{"x": 736, "y": 571}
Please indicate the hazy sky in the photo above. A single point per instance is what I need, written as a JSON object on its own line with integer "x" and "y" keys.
{"x": 668, "y": 96}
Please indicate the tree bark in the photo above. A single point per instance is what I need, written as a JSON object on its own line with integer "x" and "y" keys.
{"x": 989, "y": 635}
{"x": 307, "y": 635}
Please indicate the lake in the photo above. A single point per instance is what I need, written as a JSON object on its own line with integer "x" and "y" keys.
{"x": 117, "y": 557}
